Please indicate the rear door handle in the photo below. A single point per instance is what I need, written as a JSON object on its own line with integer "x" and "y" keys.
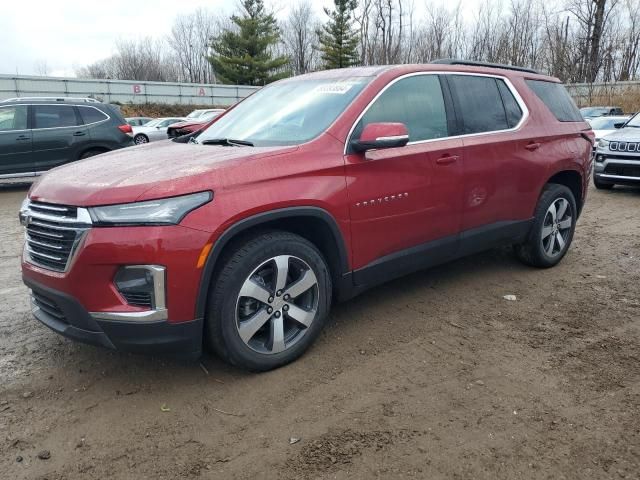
{"x": 79, "y": 134}
{"x": 533, "y": 146}
{"x": 447, "y": 159}
{"x": 23, "y": 138}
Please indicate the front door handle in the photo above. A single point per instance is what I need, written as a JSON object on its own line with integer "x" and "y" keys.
{"x": 533, "y": 146}
{"x": 23, "y": 138}
{"x": 79, "y": 134}
{"x": 447, "y": 159}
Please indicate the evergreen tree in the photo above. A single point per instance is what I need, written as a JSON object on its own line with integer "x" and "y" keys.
{"x": 338, "y": 40}
{"x": 244, "y": 56}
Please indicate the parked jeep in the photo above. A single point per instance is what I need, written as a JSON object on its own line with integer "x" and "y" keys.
{"x": 37, "y": 134}
{"x": 310, "y": 191}
{"x": 618, "y": 156}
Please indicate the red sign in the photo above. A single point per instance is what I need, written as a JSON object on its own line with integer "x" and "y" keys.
{"x": 137, "y": 89}
{"x": 201, "y": 92}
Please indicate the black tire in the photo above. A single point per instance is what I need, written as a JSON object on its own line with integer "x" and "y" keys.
{"x": 600, "y": 185}
{"x": 90, "y": 153}
{"x": 140, "y": 139}
{"x": 534, "y": 251}
{"x": 222, "y": 325}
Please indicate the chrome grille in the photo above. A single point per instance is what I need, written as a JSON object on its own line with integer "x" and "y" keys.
{"x": 53, "y": 233}
{"x": 624, "y": 147}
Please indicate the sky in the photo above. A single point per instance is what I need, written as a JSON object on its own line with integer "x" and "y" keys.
{"x": 59, "y": 36}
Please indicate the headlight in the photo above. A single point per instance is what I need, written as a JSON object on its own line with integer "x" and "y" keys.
{"x": 165, "y": 211}
{"x": 603, "y": 143}
{"x": 22, "y": 213}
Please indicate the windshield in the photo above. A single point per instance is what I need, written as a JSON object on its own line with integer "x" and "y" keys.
{"x": 287, "y": 113}
{"x": 634, "y": 122}
{"x": 606, "y": 123}
{"x": 209, "y": 116}
{"x": 195, "y": 114}
{"x": 593, "y": 111}
{"x": 153, "y": 123}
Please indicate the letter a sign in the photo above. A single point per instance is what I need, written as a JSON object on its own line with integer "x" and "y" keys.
{"x": 201, "y": 92}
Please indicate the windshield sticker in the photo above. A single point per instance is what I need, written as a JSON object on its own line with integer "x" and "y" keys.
{"x": 336, "y": 88}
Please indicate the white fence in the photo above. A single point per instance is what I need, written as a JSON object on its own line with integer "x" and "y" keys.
{"x": 129, "y": 91}
{"x": 123, "y": 91}
{"x": 583, "y": 93}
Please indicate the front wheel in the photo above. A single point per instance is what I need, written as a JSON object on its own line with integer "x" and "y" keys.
{"x": 553, "y": 228}
{"x": 269, "y": 301}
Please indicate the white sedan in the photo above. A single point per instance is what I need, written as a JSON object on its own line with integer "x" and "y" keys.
{"x": 605, "y": 125}
{"x": 154, "y": 130}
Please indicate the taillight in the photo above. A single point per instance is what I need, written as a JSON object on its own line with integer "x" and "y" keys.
{"x": 126, "y": 128}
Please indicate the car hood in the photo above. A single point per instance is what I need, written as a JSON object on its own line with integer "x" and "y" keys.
{"x": 601, "y": 133}
{"x": 151, "y": 171}
{"x": 629, "y": 134}
{"x": 187, "y": 124}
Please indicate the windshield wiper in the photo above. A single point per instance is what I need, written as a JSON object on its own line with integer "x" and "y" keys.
{"x": 229, "y": 142}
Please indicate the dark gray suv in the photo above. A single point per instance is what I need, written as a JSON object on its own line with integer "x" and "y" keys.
{"x": 37, "y": 134}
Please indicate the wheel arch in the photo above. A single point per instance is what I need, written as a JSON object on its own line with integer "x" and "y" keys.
{"x": 90, "y": 148}
{"x": 312, "y": 223}
{"x": 572, "y": 179}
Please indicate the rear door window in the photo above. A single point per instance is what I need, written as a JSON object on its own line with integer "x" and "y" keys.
{"x": 511, "y": 106}
{"x": 417, "y": 102}
{"x": 557, "y": 99}
{"x": 480, "y": 104}
{"x": 13, "y": 118}
{"x": 54, "y": 116}
{"x": 91, "y": 115}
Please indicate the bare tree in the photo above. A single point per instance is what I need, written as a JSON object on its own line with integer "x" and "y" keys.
{"x": 299, "y": 35}
{"x": 190, "y": 41}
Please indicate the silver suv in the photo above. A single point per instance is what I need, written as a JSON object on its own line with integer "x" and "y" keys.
{"x": 618, "y": 156}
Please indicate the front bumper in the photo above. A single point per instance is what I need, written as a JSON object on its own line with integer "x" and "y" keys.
{"x": 616, "y": 168}
{"x": 65, "y": 315}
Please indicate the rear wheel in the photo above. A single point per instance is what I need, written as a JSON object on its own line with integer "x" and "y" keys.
{"x": 602, "y": 185}
{"x": 140, "y": 139}
{"x": 553, "y": 228}
{"x": 269, "y": 301}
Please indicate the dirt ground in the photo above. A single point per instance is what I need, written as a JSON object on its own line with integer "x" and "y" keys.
{"x": 432, "y": 376}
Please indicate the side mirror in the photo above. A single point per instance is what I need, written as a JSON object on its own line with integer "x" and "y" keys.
{"x": 377, "y": 136}
{"x": 619, "y": 124}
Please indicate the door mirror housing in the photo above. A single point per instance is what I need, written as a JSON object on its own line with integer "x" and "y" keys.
{"x": 619, "y": 124}
{"x": 377, "y": 136}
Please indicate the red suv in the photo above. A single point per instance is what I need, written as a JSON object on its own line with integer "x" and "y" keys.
{"x": 311, "y": 190}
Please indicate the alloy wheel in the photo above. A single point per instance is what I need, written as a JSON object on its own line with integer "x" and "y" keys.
{"x": 277, "y": 304}
{"x": 556, "y": 227}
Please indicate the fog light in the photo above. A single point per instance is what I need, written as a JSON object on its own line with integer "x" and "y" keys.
{"x": 142, "y": 285}
{"x": 600, "y": 158}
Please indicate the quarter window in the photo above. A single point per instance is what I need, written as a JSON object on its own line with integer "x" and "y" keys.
{"x": 13, "y": 118}
{"x": 54, "y": 116}
{"x": 480, "y": 104}
{"x": 91, "y": 115}
{"x": 417, "y": 102}
{"x": 556, "y": 98}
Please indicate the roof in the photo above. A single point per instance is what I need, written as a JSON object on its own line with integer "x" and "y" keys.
{"x": 446, "y": 65}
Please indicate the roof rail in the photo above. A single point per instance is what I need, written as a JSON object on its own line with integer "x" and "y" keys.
{"x": 473, "y": 63}
{"x": 51, "y": 99}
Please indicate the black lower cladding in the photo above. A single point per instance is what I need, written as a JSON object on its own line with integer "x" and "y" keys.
{"x": 64, "y": 315}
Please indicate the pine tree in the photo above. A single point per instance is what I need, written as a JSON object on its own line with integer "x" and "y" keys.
{"x": 244, "y": 56}
{"x": 338, "y": 40}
